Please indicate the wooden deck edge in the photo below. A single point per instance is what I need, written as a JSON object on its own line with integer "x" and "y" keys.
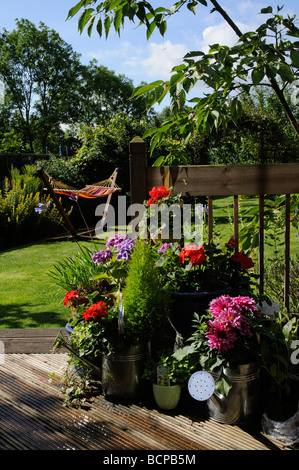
{"x": 30, "y": 340}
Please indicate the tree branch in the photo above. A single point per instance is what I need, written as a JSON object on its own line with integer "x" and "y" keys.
{"x": 274, "y": 83}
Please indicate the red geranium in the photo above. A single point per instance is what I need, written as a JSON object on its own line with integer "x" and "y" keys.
{"x": 244, "y": 260}
{"x": 157, "y": 193}
{"x": 195, "y": 254}
{"x": 232, "y": 243}
{"x": 70, "y": 296}
{"x": 97, "y": 310}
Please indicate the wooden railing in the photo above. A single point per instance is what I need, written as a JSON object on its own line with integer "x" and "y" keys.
{"x": 221, "y": 180}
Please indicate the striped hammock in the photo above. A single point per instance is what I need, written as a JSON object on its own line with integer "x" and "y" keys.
{"x": 100, "y": 189}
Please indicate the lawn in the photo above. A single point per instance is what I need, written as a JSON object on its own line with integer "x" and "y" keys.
{"x": 30, "y": 300}
{"x": 28, "y": 297}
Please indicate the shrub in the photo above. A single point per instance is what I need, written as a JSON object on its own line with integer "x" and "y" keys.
{"x": 145, "y": 301}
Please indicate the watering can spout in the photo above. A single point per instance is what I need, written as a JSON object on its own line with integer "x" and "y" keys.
{"x": 219, "y": 401}
{"x": 201, "y": 386}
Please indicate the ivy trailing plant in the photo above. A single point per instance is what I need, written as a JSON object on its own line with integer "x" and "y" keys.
{"x": 265, "y": 57}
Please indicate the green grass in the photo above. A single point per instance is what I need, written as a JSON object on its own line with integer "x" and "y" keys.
{"x": 28, "y": 298}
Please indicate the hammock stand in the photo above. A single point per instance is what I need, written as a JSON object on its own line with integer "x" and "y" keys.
{"x": 103, "y": 188}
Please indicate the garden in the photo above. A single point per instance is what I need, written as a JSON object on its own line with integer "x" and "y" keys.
{"x": 158, "y": 316}
{"x": 180, "y": 317}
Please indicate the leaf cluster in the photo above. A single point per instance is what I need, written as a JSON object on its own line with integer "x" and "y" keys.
{"x": 178, "y": 370}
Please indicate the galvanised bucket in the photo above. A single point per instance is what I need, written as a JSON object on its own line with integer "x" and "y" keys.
{"x": 242, "y": 404}
{"x": 122, "y": 373}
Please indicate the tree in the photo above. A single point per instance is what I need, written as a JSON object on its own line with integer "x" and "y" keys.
{"x": 265, "y": 57}
{"x": 40, "y": 72}
{"x": 106, "y": 94}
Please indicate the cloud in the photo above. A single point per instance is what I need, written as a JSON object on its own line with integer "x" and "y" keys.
{"x": 152, "y": 61}
{"x": 162, "y": 58}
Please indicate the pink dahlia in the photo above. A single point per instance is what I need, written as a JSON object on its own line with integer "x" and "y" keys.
{"x": 219, "y": 304}
{"x": 220, "y": 336}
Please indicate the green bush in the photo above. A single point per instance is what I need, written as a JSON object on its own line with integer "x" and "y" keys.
{"x": 145, "y": 301}
{"x": 19, "y": 198}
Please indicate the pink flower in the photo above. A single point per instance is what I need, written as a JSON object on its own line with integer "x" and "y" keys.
{"x": 220, "y": 336}
{"x": 218, "y": 304}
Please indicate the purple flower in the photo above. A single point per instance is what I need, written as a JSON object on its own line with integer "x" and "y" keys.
{"x": 125, "y": 249}
{"x": 42, "y": 207}
{"x": 163, "y": 247}
{"x": 116, "y": 240}
{"x": 101, "y": 256}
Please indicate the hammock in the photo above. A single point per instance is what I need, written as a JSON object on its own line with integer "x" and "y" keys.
{"x": 91, "y": 191}
{"x": 103, "y": 188}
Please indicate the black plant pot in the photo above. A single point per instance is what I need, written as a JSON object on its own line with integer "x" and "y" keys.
{"x": 185, "y": 304}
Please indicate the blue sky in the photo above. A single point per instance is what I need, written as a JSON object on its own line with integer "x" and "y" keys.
{"x": 132, "y": 55}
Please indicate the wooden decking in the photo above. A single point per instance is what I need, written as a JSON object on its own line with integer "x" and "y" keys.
{"x": 33, "y": 415}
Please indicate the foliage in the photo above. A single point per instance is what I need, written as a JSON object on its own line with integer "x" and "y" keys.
{"x": 106, "y": 95}
{"x": 274, "y": 221}
{"x": 19, "y": 199}
{"x": 177, "y": 371}
{"x": 225, "y": 337}
{"x": 40, "y": 72}
{"x": 144, "y": 300}
{"x": 77, "y": 272}
{"x": 94, "y": 327}
{"x": 275, "y": 352}
{"x": 228, "y": 72}
{"x": 274, "y": 281}
{"x": 105, "y": 147}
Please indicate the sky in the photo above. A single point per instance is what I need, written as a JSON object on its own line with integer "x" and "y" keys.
{"x": 131, "y": 54}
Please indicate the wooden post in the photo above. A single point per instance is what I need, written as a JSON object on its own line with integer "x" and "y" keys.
{"x": 138, "y": 163}
{"x": 287, "y": 253}
{"x": 261, "y": 243}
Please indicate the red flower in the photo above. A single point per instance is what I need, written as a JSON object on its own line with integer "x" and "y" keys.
{"x": 157, "y": 193}
{"x": 244, "y": 260}
{"x": 232, "y": 243}
{"x": 70, "y": 296}
{"x": 96, "y": 311}
{"x": 196, "y": 255}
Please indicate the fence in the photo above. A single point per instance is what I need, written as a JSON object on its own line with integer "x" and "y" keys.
{"x": 221, "y": 180}
{"x": 18, "y": 160}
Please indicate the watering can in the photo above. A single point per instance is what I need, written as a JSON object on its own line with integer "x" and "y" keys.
{"x": 242, "y": 403}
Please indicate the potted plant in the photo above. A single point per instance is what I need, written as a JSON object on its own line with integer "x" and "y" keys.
{"x": 225, "y": 343}
{"x": 196, "y": 275}
{"x": 143, "y": 312}
{"x": 167, "y": 375}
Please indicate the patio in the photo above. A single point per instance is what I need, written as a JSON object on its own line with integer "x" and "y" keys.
{"x": 33, "y": 415}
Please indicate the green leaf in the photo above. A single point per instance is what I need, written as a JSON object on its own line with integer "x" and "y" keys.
{"x": 177, "y": 77}
{"x": 107, "y": 24}
{"x": 163, "y": 28}
{"x": 99, "y": 26}
{"x": 84, "y": 18}
{"x": 267, "y": 10}
{"x": 72, "y": 12}
{"x": 257, "y": 75}
{"x": 150, "y": 29}
{"x": 160, "y": 161}
{"x": 295, "y": 58}
{"x": 143, "y": 90}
